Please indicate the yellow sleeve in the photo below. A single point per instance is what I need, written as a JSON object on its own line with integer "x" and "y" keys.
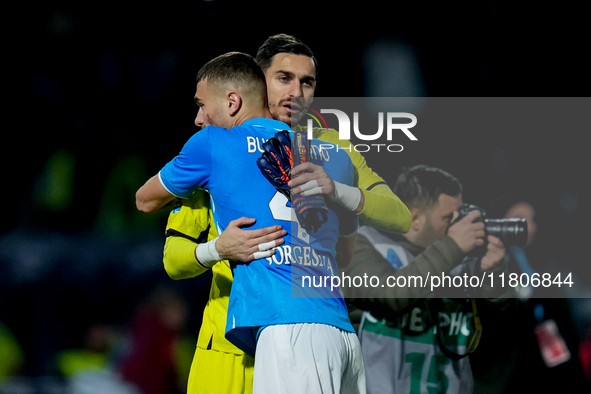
{"x": 179, "y": 258}
{"x": 383, "y": 209}
{"x": 190, "y": 222}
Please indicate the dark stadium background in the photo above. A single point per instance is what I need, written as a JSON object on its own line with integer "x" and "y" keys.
{"x": 100, "y": 97}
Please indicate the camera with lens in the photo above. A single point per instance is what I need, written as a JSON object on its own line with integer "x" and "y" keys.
{"x": 511, "y": 231}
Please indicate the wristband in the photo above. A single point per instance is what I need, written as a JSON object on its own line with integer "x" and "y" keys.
{"x": 347, "y": 196}
{"x": 207, "y": 255}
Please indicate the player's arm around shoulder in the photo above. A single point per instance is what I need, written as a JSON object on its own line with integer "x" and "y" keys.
{"x": 379, "y": 207}
{"x": 152, "y": 196}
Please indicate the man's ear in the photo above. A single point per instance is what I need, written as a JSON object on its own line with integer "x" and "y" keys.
{"x": 234, "y": 103}
{"x": 418, "y": 219}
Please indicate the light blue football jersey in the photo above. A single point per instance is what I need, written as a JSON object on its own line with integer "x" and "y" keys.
{"x": 291, "y": 286}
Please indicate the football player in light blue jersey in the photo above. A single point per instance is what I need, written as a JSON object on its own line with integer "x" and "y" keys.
{"x": 304, "y": 342}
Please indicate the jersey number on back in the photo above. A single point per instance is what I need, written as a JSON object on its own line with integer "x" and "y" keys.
{"x": 281, "y": 211}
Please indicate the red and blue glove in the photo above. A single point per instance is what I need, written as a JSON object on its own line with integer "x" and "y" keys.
{"x": 279, "y": 157}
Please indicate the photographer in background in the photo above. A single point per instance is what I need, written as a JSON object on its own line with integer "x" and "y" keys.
{"x": 402, "y": 349}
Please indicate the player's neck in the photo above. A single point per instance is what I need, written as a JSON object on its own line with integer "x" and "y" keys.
{"x": 250, "y": 113}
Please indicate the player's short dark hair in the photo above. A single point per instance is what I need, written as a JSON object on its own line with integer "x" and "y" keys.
{"x": 282, "y": 43}
{"x": 233, "y": 67}
{"x": 420, "y": 186}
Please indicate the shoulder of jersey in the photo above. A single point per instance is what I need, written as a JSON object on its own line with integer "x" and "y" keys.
{"x": 321, "y": 131}
{"x": 209, "y": 129}
{"x": 215, "y": 130}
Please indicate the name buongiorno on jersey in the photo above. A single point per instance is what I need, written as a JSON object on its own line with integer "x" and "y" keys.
{"x": 317, "y": 152}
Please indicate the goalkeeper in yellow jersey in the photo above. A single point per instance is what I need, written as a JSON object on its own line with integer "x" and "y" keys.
{"x": 218, "y": 366}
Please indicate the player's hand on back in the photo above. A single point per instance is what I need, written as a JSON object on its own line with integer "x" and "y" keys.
{"x": 238, "y": 244}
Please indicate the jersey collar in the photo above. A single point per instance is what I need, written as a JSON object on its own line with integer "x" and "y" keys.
{"x": 267, "y": 123}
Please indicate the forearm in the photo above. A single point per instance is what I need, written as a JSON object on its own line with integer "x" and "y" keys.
{"x": 383, "y": 210}
{"x": 152, "y": 196}
{"x": 179, "y": 258}
{"x": 440, "y": 257}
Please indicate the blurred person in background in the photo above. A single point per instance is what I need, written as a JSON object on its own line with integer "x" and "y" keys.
{"x": 585, "y": 356}
{"x": 542, "y": 337}
{"x": 11, "y": 354}
{"x": 91, "y": 369}
{"x": 94, "y": 356}
{"x": 151, "y": 361}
